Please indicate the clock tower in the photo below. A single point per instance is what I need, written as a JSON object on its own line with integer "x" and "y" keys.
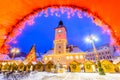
{"x": 61, "y": 55}
{"x": 60, "y": 41}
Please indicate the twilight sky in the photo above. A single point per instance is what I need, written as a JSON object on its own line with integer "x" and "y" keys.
{"x": 42, "y": 32}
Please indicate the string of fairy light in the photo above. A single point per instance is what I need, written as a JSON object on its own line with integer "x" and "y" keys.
{"x": 70, "y": 10}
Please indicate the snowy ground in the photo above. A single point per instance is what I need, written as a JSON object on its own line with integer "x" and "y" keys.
{"x": 61, "y": 76}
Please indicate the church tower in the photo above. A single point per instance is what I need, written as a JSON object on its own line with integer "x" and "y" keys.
{"x": 60, "y": 41}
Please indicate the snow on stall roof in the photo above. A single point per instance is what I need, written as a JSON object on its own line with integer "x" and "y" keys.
{"x": 20, "y": 58}
{"x": 39, "y": 59}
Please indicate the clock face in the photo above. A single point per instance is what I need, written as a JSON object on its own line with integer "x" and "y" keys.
{"x": 59, "y": 30}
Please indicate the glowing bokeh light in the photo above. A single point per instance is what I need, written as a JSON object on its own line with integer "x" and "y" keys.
{"x": 91, "y": 38}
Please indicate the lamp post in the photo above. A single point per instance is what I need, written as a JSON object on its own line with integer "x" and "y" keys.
{"x": 92, "y": 39}
{"x": 14, "y": 51}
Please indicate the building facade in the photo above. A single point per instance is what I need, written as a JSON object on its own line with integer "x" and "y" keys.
{"x": 104, "y": 52}
{"x": 116, "y": 59}
{"x": 63, "y": 53}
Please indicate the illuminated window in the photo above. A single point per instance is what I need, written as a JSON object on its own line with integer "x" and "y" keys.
{"x": 67, "y": 57}
{"x": 71, "y": 57}
{"x": 81, "y": 56}
{"x": 76, "y": 57}
{"x": 103, "y": 57}
{"x": 45, "y": 58}
{"x": 50, "y": 58}
{"x": 3, "y": 63}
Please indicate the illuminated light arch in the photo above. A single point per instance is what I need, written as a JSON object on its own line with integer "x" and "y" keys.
{"x": 18, "y": 12}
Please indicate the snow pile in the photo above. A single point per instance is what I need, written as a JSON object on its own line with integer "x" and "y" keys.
{"x": 70, "y": 76}
{"x": 59, "y": 76}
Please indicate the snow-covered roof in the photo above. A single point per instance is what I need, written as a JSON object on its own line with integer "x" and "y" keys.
{"x": 50, "y": 52}
{"x": 39, "y": 59}
{"x": 75, "y": 49}
{"x": 116, "y": 53}
{"x": 4, "y": 57}
{"x": 20, "y": 58}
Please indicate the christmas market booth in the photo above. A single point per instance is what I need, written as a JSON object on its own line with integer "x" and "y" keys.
{"x": 21, "y": 67}
{"x": 118, "y": 67}
{"x": 89, "y": 66}
{"x": 50, "y": 65}
{"x": 75, "y": 66}
{"x": 108, "y": 66}
{"x": 29, "y": 67}
{"x": 39, "y": 66}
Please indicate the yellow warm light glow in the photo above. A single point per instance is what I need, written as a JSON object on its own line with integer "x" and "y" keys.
{"x": 93, "y": 67}
{"x": 119, "y": 67}
{"x": 64, "y": 65}
{"x": 81, "y": 56}
{"x": 76, "y": 57}
{"x": 67, "y": 57}
{"x": 71, "y": 57}
{"x": 50, "y": 58}
{"x": 3, "y": 63}
{"x": 91, "y": 38}
{"x": 15, "y": 50}
{"x": 45, "y": 58}
{"x": 81, "y": 65}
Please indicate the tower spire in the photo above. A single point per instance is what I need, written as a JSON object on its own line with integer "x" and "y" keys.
{"x": 61, "y": 22}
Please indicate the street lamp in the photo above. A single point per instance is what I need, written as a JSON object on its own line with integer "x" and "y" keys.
{"x": 14, "y": 51}
{"x": 92, "y": 39}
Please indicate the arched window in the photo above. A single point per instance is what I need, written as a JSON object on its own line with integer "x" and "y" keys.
{"x": 110, "y": 57}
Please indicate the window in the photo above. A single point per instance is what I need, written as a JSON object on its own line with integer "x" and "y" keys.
{"x": 67, "y": 57}
{"x": 102, "y": 53}
{"x": 50, "y": 58}
{"x": 76, "y": 57}
{"x": 59, "y": 35}
{"x": 110, "y": 57}
{"x": 99, "y": 53}
{"x": 71, "y": 57}
{"x": 103, "y": 57}
{"x": 59, "y": 52}
{"x": 106, "y": 52}
{"x": 105, "y": 48}
{"x": 59, "y": 46}
{"x": 81, "y": 56}
{"x": 45, "y": 58}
